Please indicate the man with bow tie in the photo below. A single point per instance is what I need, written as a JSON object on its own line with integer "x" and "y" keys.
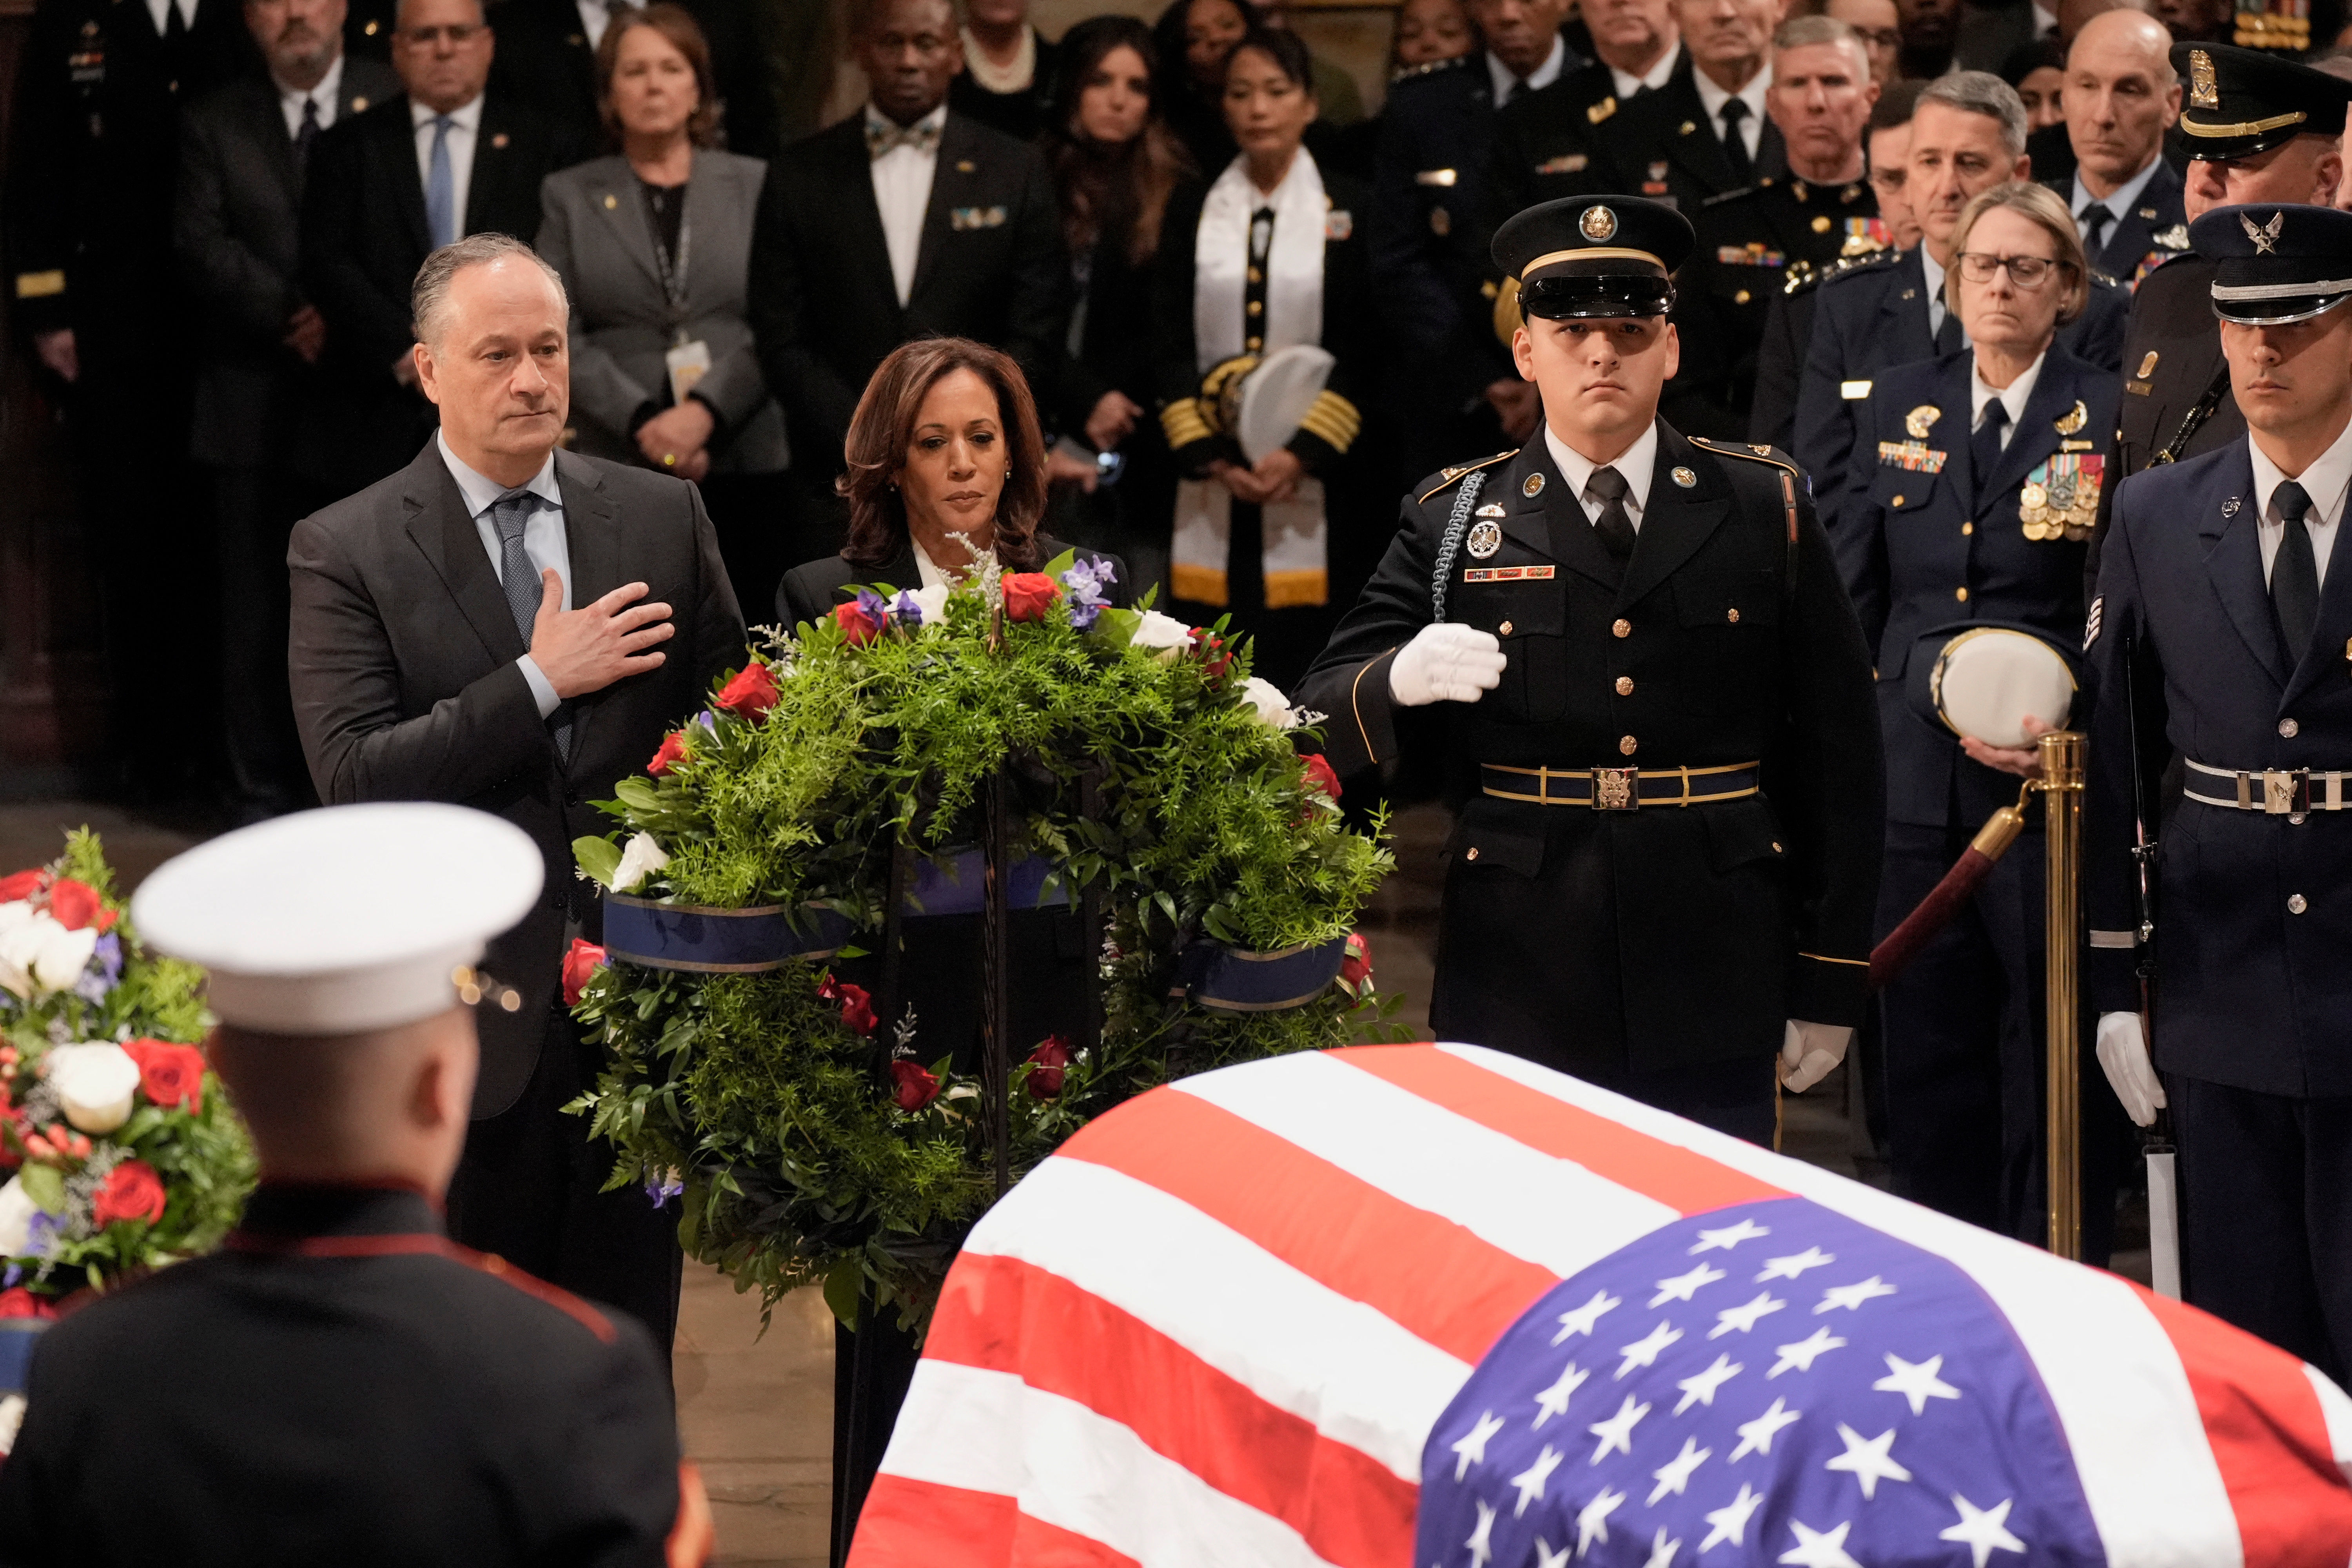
{"x": 908, "y": 220}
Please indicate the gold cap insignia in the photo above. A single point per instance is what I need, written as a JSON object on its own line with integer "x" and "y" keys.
{"x": 2073, "y": 419}
{"x": 2148, "y": 366}
{"x": 1685, "y": 478}
{"x": 1920, "y": 420}
{"x": 1534, "y": 485}
{"x": 2203, "y": 92}
{"x": 1597, "y": 224}
{"x": 2265, "y": 238}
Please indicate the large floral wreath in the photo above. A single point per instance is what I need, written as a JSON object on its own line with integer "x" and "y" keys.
{"x": 811, "y": 1143}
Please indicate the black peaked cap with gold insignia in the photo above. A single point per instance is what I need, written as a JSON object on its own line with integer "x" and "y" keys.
{"x": 2239, "y": 101}
{"x": 2275, "y": 264}
{"x": 1594, "y": 257}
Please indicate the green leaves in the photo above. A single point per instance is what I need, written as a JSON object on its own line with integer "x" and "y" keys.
{"x": 600, "y": 857}
{"x": 45, "y": 1185}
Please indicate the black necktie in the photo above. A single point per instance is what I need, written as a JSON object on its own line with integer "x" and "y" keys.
{"x": 175, "y": 28}
{"x": 2294, "y": 572}
{"x": 1511, "y": 93}
{"x": 308, "y": 137}
{"x": 2094, "y": 221}
{"x": 1614, "y": 527}
{"x": 1984, "y": 447}
{"x": 510, "y": 514}
{"x": 1949, "y": 339}
{"x": 1735, "y": 145}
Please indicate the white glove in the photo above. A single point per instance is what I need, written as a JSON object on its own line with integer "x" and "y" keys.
{"x": 1445, "y": 662}
{"x": 1808, "y": 1051}
{"x": 2123, "y": 1051}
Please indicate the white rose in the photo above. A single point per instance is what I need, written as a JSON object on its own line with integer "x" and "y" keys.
{"x": 640, "y": 858}
{"x": 933, "y": 602}
{"x": 1160, "y": 632}
{"x": 37, "y": 956}
{"x": 1273, "y": 706}
{"x": 17, "y": 1212}
{"x": 95, "y": 1082}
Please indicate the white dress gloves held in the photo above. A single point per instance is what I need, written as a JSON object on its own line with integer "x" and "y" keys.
{"x": 2123, "y": 1051}
{"x": 1446, "y": 663}
{"x": 1808, "y": 1051}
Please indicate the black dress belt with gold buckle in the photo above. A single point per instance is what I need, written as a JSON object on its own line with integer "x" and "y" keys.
{"x": 1621, "y": 789}
{"x": 2277, "y": 791}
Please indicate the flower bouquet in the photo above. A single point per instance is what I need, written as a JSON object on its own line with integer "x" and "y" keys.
{"x": 124, "y": 1153}
{"x": 1140, "y": 772}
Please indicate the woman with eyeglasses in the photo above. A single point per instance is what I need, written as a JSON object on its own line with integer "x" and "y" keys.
{"x": 1970, "y": 500}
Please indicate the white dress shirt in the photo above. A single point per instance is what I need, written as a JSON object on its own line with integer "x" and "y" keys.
{"x": 1655, "y": 76}
{"x": 2118, "y": 201}
{"x": 465, "y": 129}
{"x": 1751, "y": 129}
{"x": 902, "y": 192}
{"x": 2013, "y": 398}
{"x": 931, "y": 572}
{"x": 161, "y": 12}
{"x": 1634, "y": 463}
{"x": 325, "y": 95}
{"x": 2325, "y": 481}
{"x": 595, "y": 16}
{"x": 1935, "y": 306}
{"x": 544, "y": 540}
{"x": 1544, "y": 75}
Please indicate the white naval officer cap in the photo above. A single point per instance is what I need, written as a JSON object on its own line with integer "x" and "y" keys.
{"x": 344, "y": 920}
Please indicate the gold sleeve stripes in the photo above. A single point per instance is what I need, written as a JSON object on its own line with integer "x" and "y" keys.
{"x": 1182, "y": 424}
{"x": 1334, "y": 419}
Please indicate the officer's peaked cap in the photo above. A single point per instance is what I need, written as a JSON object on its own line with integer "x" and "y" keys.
{"x": 2237, "y": 102}
{"x": 1595, "y": 257}
{"x": 2275, "y": 264}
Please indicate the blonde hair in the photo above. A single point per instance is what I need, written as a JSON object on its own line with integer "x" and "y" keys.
{"x": 2045, "y": 207}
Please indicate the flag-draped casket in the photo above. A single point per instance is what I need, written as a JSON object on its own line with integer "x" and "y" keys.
{"x": 1433, "y": 1306}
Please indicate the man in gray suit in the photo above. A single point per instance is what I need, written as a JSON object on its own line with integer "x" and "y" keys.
{"x": 244, "y": 149}
{"x": 513, "y": 628}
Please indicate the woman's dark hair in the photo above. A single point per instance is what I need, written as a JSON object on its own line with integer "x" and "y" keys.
{"x": 1286, "y": 48}
{"x": 1167, "y": 37}
{"x": 1118, "y": 192}
{"x": 884, "y": 428}
{"x": 685, "y": 35}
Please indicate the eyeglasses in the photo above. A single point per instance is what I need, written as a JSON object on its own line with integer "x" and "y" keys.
{"x": 456, "y": 32}
{"x": 1881, "y": 37}
{"x": 2025, "y": 272}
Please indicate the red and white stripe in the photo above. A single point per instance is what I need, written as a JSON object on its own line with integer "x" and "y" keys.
{"x": 1215, "y": 1329}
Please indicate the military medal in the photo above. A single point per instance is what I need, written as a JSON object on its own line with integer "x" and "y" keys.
{"x": 1920, "y": 420}
{"x": 2073, "y": 419}
{"x": 1484, "y": 539}
{"x": 1917, "y": 457}
{"x": 2060, "y": 499}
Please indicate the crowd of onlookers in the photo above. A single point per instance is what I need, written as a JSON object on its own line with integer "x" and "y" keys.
{"x": 213, "y": 220}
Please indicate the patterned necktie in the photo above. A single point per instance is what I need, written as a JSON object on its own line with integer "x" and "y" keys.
{"x": 441, "y": 188}
{"x": 308, "y": 136}
{"x": 1735, "y": 145}
{"x": 2294, "y": 571}
{"x": 2095, "y": 220}
{"x": 1613, "y": 525}
{"x": 510, "y": 514}
{"x": 923, "y": 136}
{"x": 1984, "y": 446}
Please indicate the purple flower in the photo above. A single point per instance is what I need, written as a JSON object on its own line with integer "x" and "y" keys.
{"x": 873, "y": 605}
{"x": 105, "y": 969}
{"x": 40, "y": 1234}
{"x": 664, "y": 1187}
{"x": 908, "y": 612}
{"x": 1085, "y": 581}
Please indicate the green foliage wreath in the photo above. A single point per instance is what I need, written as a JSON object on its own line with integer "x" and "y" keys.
{"x": 809, "y": 1148}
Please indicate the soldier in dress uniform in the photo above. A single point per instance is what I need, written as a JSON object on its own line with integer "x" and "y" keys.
{"x": 1635, "y": 645}
{"x": 340, "y": 1383}
{"x": 1752, "y": 240}
{"x": 2121, "y": 96}
{"x": 2259, "y": 129}
{"x": 2217, "y": 590}
{"x": 1543, "y": 139}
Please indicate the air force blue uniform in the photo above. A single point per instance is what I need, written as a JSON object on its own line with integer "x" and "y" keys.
{"x": 1924, "y": 541}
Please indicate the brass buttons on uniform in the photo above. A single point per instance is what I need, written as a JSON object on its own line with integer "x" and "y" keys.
{"x": 1471, "y": 853}
{"x": 1967, "y": 529}
{"x": 1741, "y": 298}
{"x": 1624, "y": 686}
{"x": 1258, "y": 308}
{"x": 1896, "y": 501}
{"x": 1256, "y": 275}
{"x": 2289, "y": 728}
{"x": 1628, "y": 745}
{"x": 2296, "y": 904}
{"x": 1505, "y": 628}
{"x": 1620, "y": 627}
{"x": 1822, "y": 224}
{"x": 1776, "y": 847}
{"x": 1732, "y": 615}
{"x": 1961, "y": 595}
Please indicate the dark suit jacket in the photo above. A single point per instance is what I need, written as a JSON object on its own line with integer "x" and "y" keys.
{"x": 2145, "y": 234}
{"x": 544, "y": 62}
{"x": 1020, "y": 115}
{"x": 237, "y": 228}
{"x": 406, "y": 685}
{"x": 363, "y": 238}
{"x": 824, "y": 309}
{"x": 811, "y": 590}
{"x": 1661, "y": 144}
{"x": 1428, "y": 257}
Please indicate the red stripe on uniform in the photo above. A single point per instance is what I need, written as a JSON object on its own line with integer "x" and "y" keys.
{"x": 1434, "y": 1277}
{"x": 920, "y": 1524}
{"x": 1002, "y": 1314}
{"x": 2269, "y": 1439}
{"x": 1672, "y": 1174}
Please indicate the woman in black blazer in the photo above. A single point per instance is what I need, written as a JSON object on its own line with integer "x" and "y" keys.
{"x": 1268, "y": 256}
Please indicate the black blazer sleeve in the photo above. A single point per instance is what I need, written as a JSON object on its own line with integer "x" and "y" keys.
{"x": 230, "y": 281}
{"x": 369, "y": 329}
{"x": 817, "y": 401}
{"x": 1037, "y": 315}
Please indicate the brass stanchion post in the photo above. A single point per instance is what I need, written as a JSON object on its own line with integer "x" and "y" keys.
{"x": 2061, "y": 795}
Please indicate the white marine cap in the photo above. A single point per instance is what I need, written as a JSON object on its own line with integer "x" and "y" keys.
{"x": 342, "y": 919}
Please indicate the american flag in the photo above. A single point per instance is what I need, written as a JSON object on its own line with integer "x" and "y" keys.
{"x": 1436, "y": 1307}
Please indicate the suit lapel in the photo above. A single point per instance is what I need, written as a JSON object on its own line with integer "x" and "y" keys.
{"x": 440, "y": 526}
{"x": 2235, "y": 562}
{"x": 2036, "y": 435}
{"x": 1675, "y": 520}
{"x": 1951, "y": 429}
{"x": 1903, "y": 313}
{"x": 950, "y": 186}
{"x": 1772, "y": 153}
{"x": 865, "y": 252}
{"x": 396, "y": 145}
{"x": 592, "y": 537}
{"x": 624, "y": 210}
{"x": 1552, "y": 520}
{"x": 265, "y": 124}
{"x": 492, "y": 163}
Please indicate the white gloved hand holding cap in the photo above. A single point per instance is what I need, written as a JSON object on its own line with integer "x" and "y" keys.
{"x": 2123, "y": 1051}
{"x": 1808, "y": 1052}
{"x": 1446, "y": 663}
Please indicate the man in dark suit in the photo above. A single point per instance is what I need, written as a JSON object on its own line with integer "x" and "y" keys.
{"x": 547, "y": 62}
{"x": 245, "y": 150}
{"x": 2121, "y": 96}
{"x": 905, "y": 221}
{"x": 386, "y": 188}
{"x": 488, "y": 627}
{"x": 1705, "y": 132}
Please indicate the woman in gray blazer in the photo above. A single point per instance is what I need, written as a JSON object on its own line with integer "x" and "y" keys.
{"x": 654, "y": 245}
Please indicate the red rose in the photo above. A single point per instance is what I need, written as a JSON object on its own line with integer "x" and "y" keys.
{"x": 751, "y": 694}
{"x": 1320, "y": 776}
{"x": 1355, "y": 966}
{"x": 19, "y": 1302}
{"x": 856, "y": 1003}
{"x": 858, "y": 625}
{"x": 1214, "y": 654}
{"x": 1027, "y": 594}
{"x": 132, "y": 1191}
{"x": 23, "y": 885}
{"x": 74, "y": 905}
{"x": 672, "y": 752}
{"x": 912, "y": 1086}
{"x": 169, "y": 1074}
{"x": 580, "y": 966}
{"x": 1048, "y": 1065}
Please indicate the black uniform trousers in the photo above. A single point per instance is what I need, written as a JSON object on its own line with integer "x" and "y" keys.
{"x": 2267, "y": 1214}
{"x": 529, "y": 1189}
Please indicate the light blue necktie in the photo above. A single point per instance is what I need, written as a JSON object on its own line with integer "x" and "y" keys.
{"x": 510, "y": 514}
{"x": 441, "y": 188}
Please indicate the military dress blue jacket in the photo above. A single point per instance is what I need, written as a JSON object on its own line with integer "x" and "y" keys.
{"x": 1924, "y": 541}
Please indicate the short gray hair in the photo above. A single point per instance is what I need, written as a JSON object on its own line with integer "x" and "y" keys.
{"x": 1981, "y": 92}
{"x": 428, "y": 297}
{"x": 1805, "y": 32}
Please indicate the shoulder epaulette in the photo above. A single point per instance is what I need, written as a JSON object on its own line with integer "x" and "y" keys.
{"x": 2103, "y": 280}
{"x": 1747, "y": 451}
{"x": 1847, "y": 266}
{"x": 1430, "y": 68}
{"x": 1602, "y": 109}
{"x": 1448, "y": 476}
{"x": 1733, "y": 194}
